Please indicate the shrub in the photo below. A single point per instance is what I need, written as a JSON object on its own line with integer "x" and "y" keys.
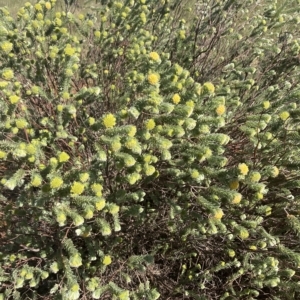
{"x": 131, "y": 149}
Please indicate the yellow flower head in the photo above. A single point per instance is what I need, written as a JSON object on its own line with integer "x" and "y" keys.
{"x": 97, "y": 189}
{"x": 106, "y": 260}
{"x": 165, "y": 144}
{"x": 21, "y": 12}
{"x": 208, "y": 87}
{"x": 114, "y": 209}
{"x": 29, "y": 275}
{"x": 234, "y": 185}
{"x": 174, "y": 78}
{"x": 124, "y": 295}
{"x": 243, "y": 234}
{"x": 231, "y": 253}
{"x": 60, "y": 107}
{"x": 154, "y": 56}
{"x": 259, "y": 196}
{"x": 253, "y": 247}
{"x": 243, "y": 169}
{"x": 179, "y": 86}
{"x": 35, "y": 89}
{"x": 237, "y": 198}
{"x": 48, "y": 5}
{"x": 75, "y": 262}
{"x": 190, "y": 103}
{"x": 190, "y": 107}
{"x": 88, "y": 213}
{"x": 132, "y": 131}
{"x": 221, "y": 109}
{"x": 78, "y": 220}
{"x": 56, "y": 182}
{"x": 40, "y": 16}
{"x": 150, "y": 124}
{"x": 75, "y": 288}
{"x": 21, "y": 123}
{"x": 69, "y": 50}
{"x": 116, "y": 145}
{"x": 147, "y": 158}
{"x": 133, "y": 178}
{"x": 84, "y": 177}
{"x": 176, "y": 98}
{"x": 178, "y": 69}
{"x": 91, "y": 121}
{"x": 198, "y": 89}
{"x": 284, "y": 115}
{"x": 143, "y": 17}
{"x": 208, "y": 153}
{"x": 31, "y": 158}
{"x": 63, "y": 157}
{"x": 106, "y": 230}
{"x": 109, "y": 121}
{"x": 77, "y": 188}
{"x": 36, "y": 181}
{"x": 2, "y": 154}
{"x": 218, "y": 214}
{"x": 131, "y": 143}
{"x": 255, "y": 176}
{"x": 195, "y": 174}
{"x": 69, "y": 72}
{"x": 14, "y": 99}
{"x": 90, "y": 23}
{"x": 275, "y": 172}
{"x": 6, "y": 46}
{"x": 7, "y": 74}
{"x": 153, "y": 78}
{"x": 97, "y": 34}
{"x": 100, "y": 204}
{"x": 3, "y": 84}
{"x": 58, "y": 21}
{"x": 266, "y": 104}
{"x": 129, "y": 161}
{"x": 38, "y": 7}
{"x": 53, "y": 161}
{"x": 149, "y": 170}
{"x": 181, "y": 34}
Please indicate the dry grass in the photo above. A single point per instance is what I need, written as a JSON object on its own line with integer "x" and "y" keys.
{"x": 14, "y": 5}
{"x": 81, "y": 6}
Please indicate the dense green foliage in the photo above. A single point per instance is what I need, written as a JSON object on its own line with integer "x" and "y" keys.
{"x": 144, "y": 156}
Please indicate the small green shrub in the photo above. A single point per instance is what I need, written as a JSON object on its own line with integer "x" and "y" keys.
{"x": 143, "y": 156}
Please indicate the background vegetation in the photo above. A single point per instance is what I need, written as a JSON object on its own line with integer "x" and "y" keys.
{"x": 150, "y": 149}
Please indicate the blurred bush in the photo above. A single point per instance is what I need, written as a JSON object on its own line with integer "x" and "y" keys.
{"x": 149, "y": 149}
